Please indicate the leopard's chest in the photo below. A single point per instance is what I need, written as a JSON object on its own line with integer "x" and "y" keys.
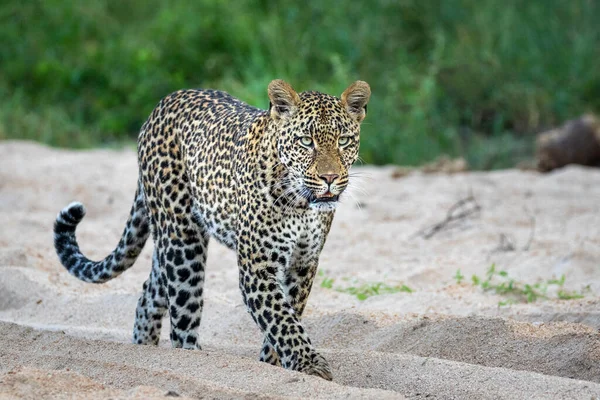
{"x": 296, "y": 239}
{"x": 217, "y": 221}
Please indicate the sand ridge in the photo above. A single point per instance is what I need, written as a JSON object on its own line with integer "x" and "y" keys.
{"x": 443, "y": 340}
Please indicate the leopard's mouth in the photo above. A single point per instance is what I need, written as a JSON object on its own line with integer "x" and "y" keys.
{"x": 327, "y": 197}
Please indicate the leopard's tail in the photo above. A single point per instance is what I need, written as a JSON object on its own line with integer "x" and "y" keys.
{"x": 130, "y": 246}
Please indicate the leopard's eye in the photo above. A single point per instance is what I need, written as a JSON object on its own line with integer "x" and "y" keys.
{"x": 306, "y": 141}
{"x": 344, "y": 141}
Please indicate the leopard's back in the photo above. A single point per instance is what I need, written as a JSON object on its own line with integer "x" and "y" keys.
{"x": 188, "y": 148}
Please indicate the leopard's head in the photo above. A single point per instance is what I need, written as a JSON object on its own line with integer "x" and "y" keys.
{"x": 318, "y": 138}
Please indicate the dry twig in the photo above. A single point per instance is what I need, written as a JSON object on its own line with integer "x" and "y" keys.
{"x": 464, "y": 208}
{"x": 531, "y": 233}
{"x": 507, "y": 243}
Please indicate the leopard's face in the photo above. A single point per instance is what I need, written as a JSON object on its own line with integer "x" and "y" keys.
{"x": 317, "y": 139}
{"x": 318, "y": 144}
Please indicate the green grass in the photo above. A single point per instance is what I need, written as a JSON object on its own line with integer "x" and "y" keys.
{"x": 327, "y": 283}
{"x": 363, "y": 291}
{"x": 501, "y": 283}
{"x": 366, "y": 290}
{"x": 459, "y": 77}
{"x": 458, "y": 276}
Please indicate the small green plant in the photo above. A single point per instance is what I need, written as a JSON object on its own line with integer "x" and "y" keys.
{"x": 365, "y": 290}
{"x": 458, "y": 276}
{"x": 327, "y": 283}
{"x": 520, "y": 292}
{"x": 566, "y": 295}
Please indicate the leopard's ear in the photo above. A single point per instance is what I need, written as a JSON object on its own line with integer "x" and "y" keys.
{"x": 355, "y": 99}
{"x": 284, "y": 99}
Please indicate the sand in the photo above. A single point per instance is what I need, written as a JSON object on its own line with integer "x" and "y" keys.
{"x": 65, "y": 339}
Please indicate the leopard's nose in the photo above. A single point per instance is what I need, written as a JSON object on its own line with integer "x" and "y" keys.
{"x": 329, "y": 178}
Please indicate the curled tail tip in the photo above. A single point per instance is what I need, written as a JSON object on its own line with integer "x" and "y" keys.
{"x": 76, "y": 210}
{"x": 70, "y": 216}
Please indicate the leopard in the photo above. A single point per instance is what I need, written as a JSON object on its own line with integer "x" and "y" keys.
{"x": 263, "y": 182}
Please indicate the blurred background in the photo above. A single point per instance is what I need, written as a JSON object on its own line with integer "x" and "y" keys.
{"x": 476, "y": 79}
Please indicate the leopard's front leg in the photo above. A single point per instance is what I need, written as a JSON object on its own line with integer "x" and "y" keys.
{"x": 271, "y": 308}
{"x": 296, "y": 282}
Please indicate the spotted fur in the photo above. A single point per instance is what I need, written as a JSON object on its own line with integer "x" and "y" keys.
{"x": 263, "y": 183}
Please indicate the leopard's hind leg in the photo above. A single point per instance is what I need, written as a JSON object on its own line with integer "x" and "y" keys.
{"x": 151, "y": 307}
{"x": 182, "y": 250}
{"x": 180, "y": 242}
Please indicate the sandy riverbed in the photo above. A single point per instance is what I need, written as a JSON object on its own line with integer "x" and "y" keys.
{"x": 62, "y": 338}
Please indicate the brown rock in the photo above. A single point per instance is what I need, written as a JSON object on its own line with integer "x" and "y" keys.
{"x": 576, "y": 142}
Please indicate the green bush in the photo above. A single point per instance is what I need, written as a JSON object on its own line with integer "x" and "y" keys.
{"x": 458, "y": 77}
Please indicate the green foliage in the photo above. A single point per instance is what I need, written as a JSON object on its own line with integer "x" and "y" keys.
{"x": 518, "y": 292}
{"x": 365, "y": 290}
{"x": 327, "y": 283}
{"x": 459, "y": 77}
{"x": 458, "y": 276}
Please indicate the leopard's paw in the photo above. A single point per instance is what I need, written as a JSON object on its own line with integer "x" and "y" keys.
{"x": 315, "y": 364}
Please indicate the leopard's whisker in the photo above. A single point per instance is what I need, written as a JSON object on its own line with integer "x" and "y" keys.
{"x": 355, "y": 200}
{"x": 286, "y": 193}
